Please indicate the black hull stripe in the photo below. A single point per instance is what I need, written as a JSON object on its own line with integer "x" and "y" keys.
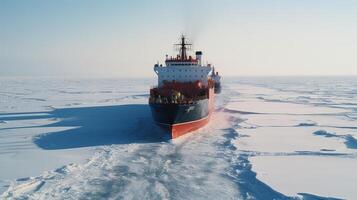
{"x": 177, "y": 114}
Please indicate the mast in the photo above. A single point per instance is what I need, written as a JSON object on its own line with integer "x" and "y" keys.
{"x": 183, "y": 48}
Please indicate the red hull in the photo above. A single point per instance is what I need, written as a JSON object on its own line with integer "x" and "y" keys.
{"x": 178, "y": 130}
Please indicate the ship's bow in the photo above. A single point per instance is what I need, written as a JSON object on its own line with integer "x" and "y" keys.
{"x": 179, "y": 119}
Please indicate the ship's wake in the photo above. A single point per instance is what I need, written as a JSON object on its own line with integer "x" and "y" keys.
{"x": 190, "y": 167}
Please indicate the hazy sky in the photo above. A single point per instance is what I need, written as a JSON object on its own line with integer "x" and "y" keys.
{"x": 126, "y": 38}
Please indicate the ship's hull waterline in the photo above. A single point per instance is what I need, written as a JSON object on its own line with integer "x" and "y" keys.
{"x": 181, "y": 119}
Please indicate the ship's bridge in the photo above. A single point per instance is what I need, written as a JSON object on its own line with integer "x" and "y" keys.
{"x": 183, "y": 73}
{"x": 178, "y": 61}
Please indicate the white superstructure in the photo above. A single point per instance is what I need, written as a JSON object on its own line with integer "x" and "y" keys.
{"x": 183, "y": 68}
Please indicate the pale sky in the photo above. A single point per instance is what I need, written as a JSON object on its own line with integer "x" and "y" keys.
{"x": 126, "y": 38}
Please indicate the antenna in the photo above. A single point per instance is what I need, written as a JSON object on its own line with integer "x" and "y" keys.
{"x": 183, "y": 47}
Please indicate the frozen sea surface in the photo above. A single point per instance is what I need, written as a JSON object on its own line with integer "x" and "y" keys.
{"x": 269, "y": 138}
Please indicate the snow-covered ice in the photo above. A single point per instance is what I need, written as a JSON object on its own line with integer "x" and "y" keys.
{"x": 269, "y": 138}
{"x": 330, "y": 176}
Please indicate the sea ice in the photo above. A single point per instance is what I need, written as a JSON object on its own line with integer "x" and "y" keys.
{"x": 95, "y": 138}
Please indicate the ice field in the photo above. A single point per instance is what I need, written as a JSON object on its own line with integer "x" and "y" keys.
{"x": 269, "y": 138}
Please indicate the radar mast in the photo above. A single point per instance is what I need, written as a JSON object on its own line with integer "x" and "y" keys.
{"x": 183, "y": 47}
